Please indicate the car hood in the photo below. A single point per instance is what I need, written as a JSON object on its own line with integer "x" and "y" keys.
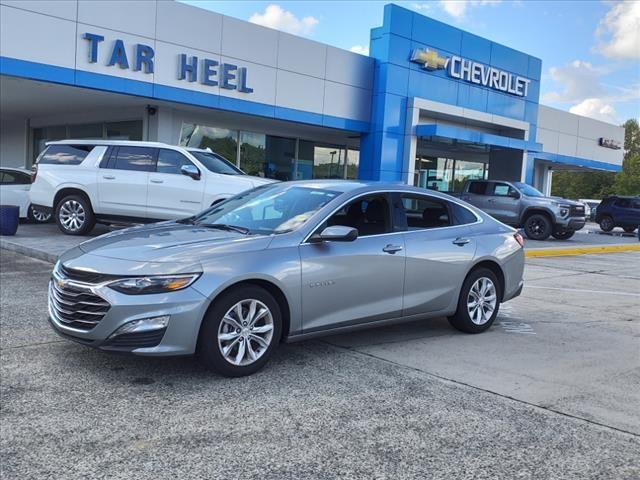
{"x": 171, "y": 242}
{"x": 554, "y": 201}
{"x": 257, "y": 181}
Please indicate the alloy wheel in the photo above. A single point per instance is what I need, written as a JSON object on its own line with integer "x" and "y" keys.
{"x": 245, "y": 332}
{"x": 72, "y": 215}
{"x": 481, "y": 301}
{"x": 39, "y": 215}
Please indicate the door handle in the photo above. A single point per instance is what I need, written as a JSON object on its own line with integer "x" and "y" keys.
{"x": 490, "y": 200}
{"x": 392, "y": 248}
{"x": 153, "y": 180}
{"x": 109, "y": 177}
{"x": 461, "y": 241}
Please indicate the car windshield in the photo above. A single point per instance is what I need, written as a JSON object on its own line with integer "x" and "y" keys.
{"x": 267, "y": 209}
{"x": 528, "y": 190}
{"x": 216, "y": 163}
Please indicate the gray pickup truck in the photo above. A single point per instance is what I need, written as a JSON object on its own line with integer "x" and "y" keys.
{"x": 522, "y": 206}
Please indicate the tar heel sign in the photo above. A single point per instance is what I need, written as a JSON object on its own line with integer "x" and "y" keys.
{"x": 205, "y": 71}
{"x": 472, "y": 72}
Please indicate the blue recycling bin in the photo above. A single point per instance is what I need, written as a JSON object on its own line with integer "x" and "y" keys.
{"x": 9, "y": 219}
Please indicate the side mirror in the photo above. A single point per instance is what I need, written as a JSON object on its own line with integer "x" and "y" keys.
{"x": 514, "y": 194}
{"x": 190, "y": 171}
{"x": 335, "y": 233}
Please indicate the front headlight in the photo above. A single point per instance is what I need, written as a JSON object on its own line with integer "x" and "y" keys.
{"x": 153, "y": 284}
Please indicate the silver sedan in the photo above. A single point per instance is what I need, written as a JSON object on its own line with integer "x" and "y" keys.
{"x": 286, "y": 262}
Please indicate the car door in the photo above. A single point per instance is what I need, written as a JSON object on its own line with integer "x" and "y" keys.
{"x": 439, "y": 249}
{"x": 123, "y": 178}
{"x": 170, "y": 193}
{"x": 476, "y": 194}
{"x": 502, "y": 203}
{"x": 635, "y": 212}
{"x": 346, "y": 283}
{"x": 14, "y": 189}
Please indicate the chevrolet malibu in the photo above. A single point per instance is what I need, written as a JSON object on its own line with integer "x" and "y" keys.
{"x": 286, "y": 262}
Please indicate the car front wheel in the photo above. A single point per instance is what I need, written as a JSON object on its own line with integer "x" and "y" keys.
{"x": 538, "y": 227}
{"x": 563, "y": 235}
{"x": 37, "y": 216}
{"x": 74, "y": 215}
{"x": 479, "y": 302}
{"x": 240, "y": 332}
{"x": 606, "y": 224}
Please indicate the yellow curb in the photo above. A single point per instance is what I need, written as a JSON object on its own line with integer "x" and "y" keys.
{"x": 556, "y": 252}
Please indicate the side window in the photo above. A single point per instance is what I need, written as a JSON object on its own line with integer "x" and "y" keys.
{"x": 170, "y": 161}
{"x": 370, "y": 215}
{"x": 477, "y": 188}
{"x": 65, "y": 154}
{"x": 462, "y": 215}
{"x": 636, "y": 204}
{"x": 141, "y": 159}
{"x": 501, "y": 190}
{"x": 423, "y": 212}
{"x": 623, "y": 203}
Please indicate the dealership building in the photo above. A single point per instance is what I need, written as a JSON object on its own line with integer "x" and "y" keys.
{"x": 432, "y": 105}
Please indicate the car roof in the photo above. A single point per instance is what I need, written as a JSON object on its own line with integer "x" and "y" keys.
{"x": 100, "y": 141}
{"x": 17, "y": 169}
{"x": 621, "y": 196}
{"x": 363, "y": 186}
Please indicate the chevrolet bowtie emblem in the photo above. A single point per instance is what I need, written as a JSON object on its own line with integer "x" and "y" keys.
{"x": 429, "y": 58}
{"x": 59, "y": 282}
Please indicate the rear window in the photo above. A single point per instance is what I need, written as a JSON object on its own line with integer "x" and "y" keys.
{"x": 462, "y": 215}
{"x": 140, "y": 159}
{"x": 9, "y": 177}
{"x": 65, "y": 154}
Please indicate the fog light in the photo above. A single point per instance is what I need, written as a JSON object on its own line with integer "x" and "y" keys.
{"x": 142, "y": 325}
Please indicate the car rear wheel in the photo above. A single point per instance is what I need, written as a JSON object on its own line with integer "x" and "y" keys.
{"x": 37, "y": 216}
{"x": 629, "y": 229}
{"x": 563, "y": 234}
{"x": 538, "y": 227}
{"x": 479, "y": 302}
{"x": 240, "y": 332}
{"x": 606, "y": 224}
{"x": 74, "y": 215}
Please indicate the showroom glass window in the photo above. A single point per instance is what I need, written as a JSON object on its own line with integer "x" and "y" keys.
{"x": 220, "y": 140}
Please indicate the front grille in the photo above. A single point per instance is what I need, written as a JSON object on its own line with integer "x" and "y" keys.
{"x": 76, "y": 306}
{"x": 85, "y": 276}
{"x": 576, "y": 211}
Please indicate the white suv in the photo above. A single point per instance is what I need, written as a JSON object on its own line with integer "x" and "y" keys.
{"x": 87, "y": 181}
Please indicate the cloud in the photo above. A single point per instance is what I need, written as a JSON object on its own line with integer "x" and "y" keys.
{"x": 458, "y": 8}
{"x": 619, "y": 31}
{"x": 360, "y": 49}
{"x": 596, "y": 108}
{"x": 579, "y": 80}
{"x": 275, "y": 16}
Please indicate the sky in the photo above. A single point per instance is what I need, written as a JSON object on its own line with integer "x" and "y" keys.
{"x": 590, "y": 50}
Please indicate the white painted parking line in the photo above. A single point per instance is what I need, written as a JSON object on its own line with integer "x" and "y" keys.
{"x": 580, "y": 290}
{"x": 516, "y": 327}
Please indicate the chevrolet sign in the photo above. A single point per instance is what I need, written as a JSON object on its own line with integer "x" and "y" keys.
{"x": 472, "y": 72}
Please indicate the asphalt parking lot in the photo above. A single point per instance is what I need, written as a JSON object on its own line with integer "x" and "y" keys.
{"x": 551, "y": 391}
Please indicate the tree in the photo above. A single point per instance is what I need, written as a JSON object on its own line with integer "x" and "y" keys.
{"x": 627, "y": 182}
{"x": 599, "y": 184}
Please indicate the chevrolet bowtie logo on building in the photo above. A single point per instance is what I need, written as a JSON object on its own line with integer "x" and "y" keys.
{"x": 472, "y": 72}
{"x": 429, "y": 59}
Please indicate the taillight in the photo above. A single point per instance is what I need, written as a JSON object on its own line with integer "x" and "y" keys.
{"x": 34, "y": 172}
{"x": 519, "y": 238}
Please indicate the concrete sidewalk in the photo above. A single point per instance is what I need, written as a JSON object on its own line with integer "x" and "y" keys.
{"x": 46, "y": 242}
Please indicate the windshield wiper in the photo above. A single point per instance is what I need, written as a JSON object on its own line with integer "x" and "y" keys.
{"x": 187, "y": 221}
{"x": 224, "y": 226}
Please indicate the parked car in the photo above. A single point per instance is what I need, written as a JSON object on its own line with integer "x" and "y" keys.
{"x": 15, "y": 184}
{"x": 286, "y": 261}
{"x": 87, "y": 181}
{"x": 522, "y": 206}
{"x": 619, "y": 211}
{"x": 591, "y": 207}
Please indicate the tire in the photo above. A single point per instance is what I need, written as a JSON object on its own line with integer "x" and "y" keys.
{"x": 217, "y": 332}
{"x": 82, "y": 223}
{"x": 538, "y": 227}
{"x": 469, "y": 320}
{"x": 563, "y": 235}
{"x": 36, "y": 216}
{"x": 629, "y": 229}
{"x": 607, "y": 224}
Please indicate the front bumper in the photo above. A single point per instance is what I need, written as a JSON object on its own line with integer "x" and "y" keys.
{"x": 186, "y": 308}
{"x": 570, "y": 223}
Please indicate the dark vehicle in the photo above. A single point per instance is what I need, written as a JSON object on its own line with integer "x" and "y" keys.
{"x": 619, "y": 211}
{"x": 522, "y": 206}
